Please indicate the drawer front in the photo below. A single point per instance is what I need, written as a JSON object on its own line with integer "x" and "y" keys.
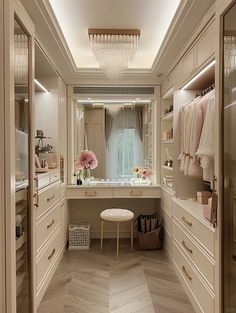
{"x": 47, "y": 199}
{"x": 190, "y": 278}
{"x": 203, "y": 263}
{"x": 46, "y": 226}
{"x": 89, "y": 193}
{"x": 46, "y": 259}
{"x": 166, "y": 220}
{"x": 54, "y": 176}
{"x": 197, "y": 229}
{"x": 43, "y": 180}
{"x": 137, "y": 192}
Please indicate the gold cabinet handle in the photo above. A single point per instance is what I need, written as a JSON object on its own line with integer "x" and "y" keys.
{"x": 50, "y": 225}
{"x": 136, "y": 193}
{"x": 50, "y": 198}
{"x": 186, "y": 273}
{"x": 186, "y": 247}
{"x": 52, "y": 253}
{"x": 186, "y": 221}
{"x": 90, "y": 193}
{"x": 36, "y": 197}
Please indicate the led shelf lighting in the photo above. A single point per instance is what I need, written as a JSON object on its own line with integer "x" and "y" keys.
{"x": 40, "y": 85}
{"x": 198, "y": 75}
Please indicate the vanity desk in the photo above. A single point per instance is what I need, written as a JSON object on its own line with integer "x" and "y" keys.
{"x": 113, "y": 191}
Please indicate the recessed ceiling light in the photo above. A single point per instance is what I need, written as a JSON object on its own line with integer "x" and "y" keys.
{"x": 137, "y": 98}
{"x": 89, "y": 98}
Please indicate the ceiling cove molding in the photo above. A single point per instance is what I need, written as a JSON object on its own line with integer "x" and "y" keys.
{"x": 172, "y": 50}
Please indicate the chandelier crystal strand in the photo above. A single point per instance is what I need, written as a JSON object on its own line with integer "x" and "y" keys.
{"x": 114, "y": 52}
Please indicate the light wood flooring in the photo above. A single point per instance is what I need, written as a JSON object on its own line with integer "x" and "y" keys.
{"x": 139, "y": 282}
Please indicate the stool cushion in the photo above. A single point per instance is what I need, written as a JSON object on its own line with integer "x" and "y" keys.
{"x": 116, "y": 215}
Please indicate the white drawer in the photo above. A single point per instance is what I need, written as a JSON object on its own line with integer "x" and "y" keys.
{"x": 47, "y": 198}
{"x": 195, "y": 254}
{"x": 166, "y": 220}
{"x": 46, "y": 225}
{"x": 203, "y": 234}
{"x": 137, "y": 192}
{"x": 202, "y": 294}
{"x": 54, "y": 176}
{"x": 42, "y": 180}
{"x": 89, "y": 193}
{"x": 47, "y": 258}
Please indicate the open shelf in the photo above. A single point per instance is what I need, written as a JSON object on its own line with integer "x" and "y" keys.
{"x": 168, "y": 116}
{"x": 167, "y": 167}
{"x": 168, "y": 141}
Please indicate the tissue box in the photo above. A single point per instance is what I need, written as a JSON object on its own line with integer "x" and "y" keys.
{"x": 203, "y": 196}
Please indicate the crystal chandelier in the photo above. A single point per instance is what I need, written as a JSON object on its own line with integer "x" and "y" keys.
{"x": 114, "y": 49}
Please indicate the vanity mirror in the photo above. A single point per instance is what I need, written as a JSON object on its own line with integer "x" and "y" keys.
{"x": 119, "y": 134}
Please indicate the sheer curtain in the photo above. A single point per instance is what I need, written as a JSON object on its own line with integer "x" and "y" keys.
{"x": 124, "y": 147}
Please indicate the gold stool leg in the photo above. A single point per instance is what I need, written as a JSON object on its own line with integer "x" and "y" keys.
{"x": 102, "y": 226}
{"x": 132, "y": 235}
{"x": 117, "y": 243}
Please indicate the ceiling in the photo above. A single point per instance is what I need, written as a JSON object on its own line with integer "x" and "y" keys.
{"x": 152, "y": 17}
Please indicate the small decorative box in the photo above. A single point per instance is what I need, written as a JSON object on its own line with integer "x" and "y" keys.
{"x": 203, "y": 196}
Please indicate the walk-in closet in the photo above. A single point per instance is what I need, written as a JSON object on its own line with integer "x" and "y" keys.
{"x": 117, "y": 161}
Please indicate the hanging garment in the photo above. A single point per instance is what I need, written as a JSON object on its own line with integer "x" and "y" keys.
{"x": 205, "y": 150}
{"x": 197, "y": 120}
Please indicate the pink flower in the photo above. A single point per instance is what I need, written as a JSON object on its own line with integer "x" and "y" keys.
{"x": 145, "y": 172}
{"x": 87, "y": 160}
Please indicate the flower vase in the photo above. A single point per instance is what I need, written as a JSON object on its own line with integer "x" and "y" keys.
{"x": 86, "y": 175}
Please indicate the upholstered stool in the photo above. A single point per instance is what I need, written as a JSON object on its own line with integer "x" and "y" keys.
{"x": 118, "y": 216}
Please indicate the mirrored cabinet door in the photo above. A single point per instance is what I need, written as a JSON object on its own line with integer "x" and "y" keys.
{"x": 229, "y": 154}
{"x": 22, "y": 174}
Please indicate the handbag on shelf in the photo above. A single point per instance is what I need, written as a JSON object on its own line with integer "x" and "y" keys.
{"x": 149, "y": 232}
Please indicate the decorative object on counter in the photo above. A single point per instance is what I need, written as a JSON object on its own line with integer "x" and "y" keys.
{"x": 203, "y": 196}
{"x": 168, "y": 163}
{"x": 43, "y": 167}
{"x": 168, "y": 135}
{"x": 87, "y": 161}
{"x": 37, "y": 162}
{"x": 210, "y": 209}
{"x": 136, "y": 170}
{"x": 145, "y": 172}
{"x": 40, "y": 148}
{"x": 149, "y": 232}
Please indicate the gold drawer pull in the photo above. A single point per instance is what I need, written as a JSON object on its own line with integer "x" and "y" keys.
{"x": 50, "y": 198}
{"x": 186, "y": 221}
{"x": 186, "y": 247}
{"x": 186, "y": 273}
{"x": 36, "y": 197}
{"x": 50, "y": 225}
{"x": 136, "y": 193}
{"x": 90, "y": 193}
{"x": 52, "y": 254}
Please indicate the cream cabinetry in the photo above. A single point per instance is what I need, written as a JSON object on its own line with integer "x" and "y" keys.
{"x": 51, "y": 224}
{"x": 193, "y": 243}
{"x": 88, "y": 192}
{"x": 194, "y": 58}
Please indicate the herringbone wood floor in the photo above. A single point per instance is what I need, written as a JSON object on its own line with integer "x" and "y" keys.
{"x": 140, "y": 282}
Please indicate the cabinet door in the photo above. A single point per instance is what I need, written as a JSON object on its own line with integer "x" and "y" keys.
{"x": 205, "y": 46}
{"x": 64, "y": 221}
{"x": 188, "y": 64}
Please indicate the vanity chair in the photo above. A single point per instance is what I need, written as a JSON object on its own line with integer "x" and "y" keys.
{"x": 117, "y": 215}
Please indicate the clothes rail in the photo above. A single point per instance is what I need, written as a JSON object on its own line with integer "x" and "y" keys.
{"x": 205, "y": 91}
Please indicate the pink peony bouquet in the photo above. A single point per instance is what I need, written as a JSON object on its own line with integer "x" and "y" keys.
{"x": 86, "y": 160}
{"x": 145, "y": 172}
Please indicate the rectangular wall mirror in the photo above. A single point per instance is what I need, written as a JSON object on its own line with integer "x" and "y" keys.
{"x": 120, "y": 135}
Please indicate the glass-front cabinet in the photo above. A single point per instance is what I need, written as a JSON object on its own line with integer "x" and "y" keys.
{"x": 22, "y": 167}
{"x": 229, "y": 156}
